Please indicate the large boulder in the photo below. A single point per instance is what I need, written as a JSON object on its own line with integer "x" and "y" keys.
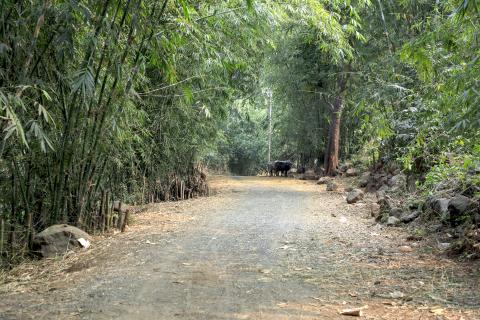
{"x": 58, "y": 239}
{"x": 354, "y": 196}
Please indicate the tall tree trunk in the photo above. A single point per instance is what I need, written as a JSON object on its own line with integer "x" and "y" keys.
{"x": 333, "y": 145}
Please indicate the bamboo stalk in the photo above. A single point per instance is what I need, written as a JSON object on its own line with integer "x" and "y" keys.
{"x": 103, "y": 211}
{"x": 12, "y": 241}
{"x": 29, "y": 230}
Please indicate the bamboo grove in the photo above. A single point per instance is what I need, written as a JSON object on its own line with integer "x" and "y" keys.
{"x": 106, "y": 100}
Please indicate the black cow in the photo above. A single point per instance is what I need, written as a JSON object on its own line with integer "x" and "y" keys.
{"x": 271, "y": 168}
{"x": 282, "y": 167}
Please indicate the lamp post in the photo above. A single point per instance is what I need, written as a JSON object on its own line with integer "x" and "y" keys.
{"x": 269, "y": 95}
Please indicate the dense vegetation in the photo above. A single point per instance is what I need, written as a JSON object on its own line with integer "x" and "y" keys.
{"x": 128, "y": 99}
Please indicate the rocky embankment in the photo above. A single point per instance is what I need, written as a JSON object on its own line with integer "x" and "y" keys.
{"x": 450, "y": 213}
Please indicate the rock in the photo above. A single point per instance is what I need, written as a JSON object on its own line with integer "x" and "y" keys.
{"x": 354, "y": 196}
{"x": 364, "y": 179}
{"x": 393, "y": 221}
{"x": 395, "y": 212}
{"x": 324, "y": 180}
{"x": 352, "y": 312}
{"x": 384, "y": 188}
{"x": 332, "y": 186}
{"x": 460, "y": 204}
{"x": 348, "y": 189}
{"x": 405, "y": 249}
{"x": 374, "y": 210}
{"x": 439, "y": 205}
{"x": 58, "y": 239}
{"x": 384, "y": 201}
{"x": 397, "y": 295}
{"x": 397, "y": 182}
{"x": 476, "y": 219}
{"x": 381, "y": 196}
{"x": 411, "y": 183}
{"x": 351, "y": 172}
{"x": 410, "y": 217}
{"x": 443, "y": 245}
{"x": 310, "y": 175}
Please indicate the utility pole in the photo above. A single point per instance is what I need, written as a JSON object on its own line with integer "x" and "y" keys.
{"x": 269, "y": 95}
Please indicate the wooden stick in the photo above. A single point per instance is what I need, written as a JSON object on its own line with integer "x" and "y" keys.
{"x": 125, "y": 220}
{"x": 120, "y": 216}
{"x": 2, "y": 235}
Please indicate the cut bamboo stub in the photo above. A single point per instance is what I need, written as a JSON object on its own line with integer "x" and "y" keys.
{"x": 352, "y": 312}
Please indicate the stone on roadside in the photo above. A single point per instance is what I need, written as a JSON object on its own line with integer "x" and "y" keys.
{"x": 439, "y": 205}
{"x": 59, "y": 239}
{"x": 324, "y": 180}
{"x": 460, "y": 204}
{"x": 310, "y": 175}
{"x": 392, "y": 221}
{"x": 380, "y": 196}
{"x": 354, "y": 196}
{"x": 405, "y": 249}
{"x": 407, "y": 218}
{"x": 364, "y": 179}
{"x": 374, "y": 210}
{"x": 397, "y": 182}
{"x": 443, "y": 245}
{"x": 395, "y": 212}
{"x": 332, "y": 186}
{"x": 351, "y": 172}
{"x": 352, "y": 312}
{"x": 384, "y": 188}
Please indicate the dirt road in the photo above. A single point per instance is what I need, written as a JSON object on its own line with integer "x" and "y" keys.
{"x": 262, "y": 248}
